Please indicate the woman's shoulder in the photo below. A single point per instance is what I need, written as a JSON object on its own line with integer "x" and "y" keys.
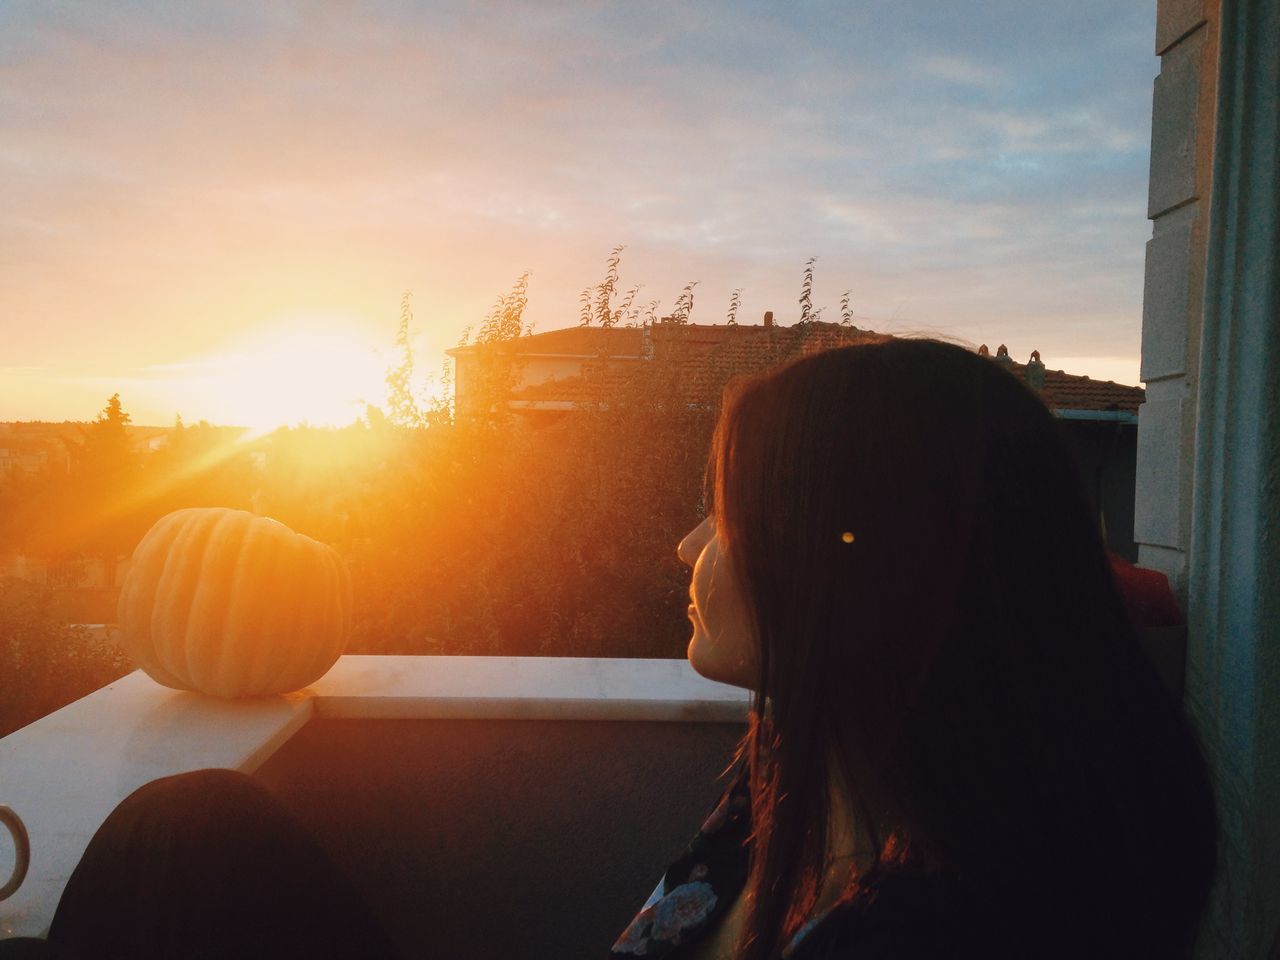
{"x": 699, "y": 888}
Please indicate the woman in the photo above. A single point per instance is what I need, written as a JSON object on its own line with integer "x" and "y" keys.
{"x": 957, "y": 747}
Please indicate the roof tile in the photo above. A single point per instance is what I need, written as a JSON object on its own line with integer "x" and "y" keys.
{"x": 711, "y": 354}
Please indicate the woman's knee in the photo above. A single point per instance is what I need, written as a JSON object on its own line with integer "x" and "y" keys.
{"x": 198, "y": 789}
{"x": 189, "y": 808}
{"x": 196, "y": 784}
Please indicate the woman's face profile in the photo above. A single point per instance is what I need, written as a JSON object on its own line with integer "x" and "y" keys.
{"x": 722, "y": 647}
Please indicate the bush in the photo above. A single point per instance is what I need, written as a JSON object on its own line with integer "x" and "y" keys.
{"x": 46, "y": 663}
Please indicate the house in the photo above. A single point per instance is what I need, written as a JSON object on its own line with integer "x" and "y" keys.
{"x": 32, "y": 448}
{"x": 554, "y": 373}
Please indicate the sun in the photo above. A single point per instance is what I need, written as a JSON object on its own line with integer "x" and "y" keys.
{"x": 317, "y": 373}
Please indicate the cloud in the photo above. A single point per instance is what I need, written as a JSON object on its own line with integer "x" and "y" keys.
{"x": 961, "y": 70}
{"x": 171, "y": 173}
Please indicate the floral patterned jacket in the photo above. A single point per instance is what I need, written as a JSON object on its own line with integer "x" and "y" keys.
{"x": 903, "y": 913}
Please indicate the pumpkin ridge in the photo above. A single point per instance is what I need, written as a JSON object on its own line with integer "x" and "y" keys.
{"x": 344, "y": 600}
{"x": 249, "y": 625}
{"x": 313, "y": 640}
{"x": 333, "y": 622}
{"x": 304, "y": 623}
{"x": 339, "y": 605}
{"x": 171, "y": 612}
{"x": 281, "y": 635}
{"x": 206, "y": 626}
{"x": 298, "y": 625}
{"x": 319, "y": 639}
{"x": 138, "y": 596}
{"x": 194, "y": 561}
{"x": 273, "y": 622}
{"x": 237, "y": 619}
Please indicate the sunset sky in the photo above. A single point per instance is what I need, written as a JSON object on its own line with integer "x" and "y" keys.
{"x": 213, "y": 209}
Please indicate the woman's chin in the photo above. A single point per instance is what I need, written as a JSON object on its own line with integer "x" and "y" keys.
{"x": 706, "y": 664}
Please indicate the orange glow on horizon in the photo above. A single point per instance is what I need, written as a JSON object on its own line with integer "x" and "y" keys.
{"x": 315, "y": 373}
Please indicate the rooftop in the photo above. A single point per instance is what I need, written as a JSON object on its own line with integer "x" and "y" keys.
{"x": 710, "y": 353}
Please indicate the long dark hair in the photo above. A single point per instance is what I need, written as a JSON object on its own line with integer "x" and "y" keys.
{"x": 937, "y": 619}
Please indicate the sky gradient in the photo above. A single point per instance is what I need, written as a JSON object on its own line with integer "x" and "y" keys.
{"x": 214, "y": 209}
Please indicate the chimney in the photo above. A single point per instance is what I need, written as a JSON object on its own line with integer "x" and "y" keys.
{"x": 1035, "y": 372}
{"x": 768, "y": 319}
{"x": 1003, "y": 358}
{"x": 983, "y": 351}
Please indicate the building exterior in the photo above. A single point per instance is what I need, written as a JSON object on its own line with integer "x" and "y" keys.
{"x": 555, "y": 373}
{"x": 1208, "y": 492}
{"x": 36, "y": 447}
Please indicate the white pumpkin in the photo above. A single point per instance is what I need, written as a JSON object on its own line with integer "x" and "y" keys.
{"x": 234, "y": 605}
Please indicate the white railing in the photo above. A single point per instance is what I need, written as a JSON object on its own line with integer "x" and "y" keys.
{"x": 65, "y": 773}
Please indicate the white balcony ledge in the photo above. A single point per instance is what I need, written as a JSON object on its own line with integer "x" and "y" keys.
{"x": 64, "y": 773}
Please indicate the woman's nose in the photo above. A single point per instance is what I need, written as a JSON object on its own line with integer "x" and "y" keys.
{"x": 690, "y": 547}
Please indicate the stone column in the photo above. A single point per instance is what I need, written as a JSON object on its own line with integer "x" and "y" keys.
{"x": 1233, "y": 586}
{"x": 1208, "y": 498}
{"x": 1177, "y": 203}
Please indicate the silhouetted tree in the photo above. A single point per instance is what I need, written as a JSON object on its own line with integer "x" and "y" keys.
{"x": 103, "y": 516}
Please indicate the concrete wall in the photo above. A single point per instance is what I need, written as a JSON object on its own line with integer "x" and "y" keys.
{"x": 505, "y": 839}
